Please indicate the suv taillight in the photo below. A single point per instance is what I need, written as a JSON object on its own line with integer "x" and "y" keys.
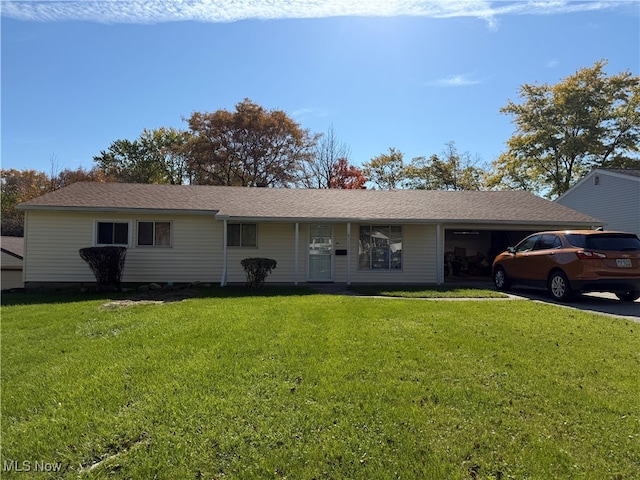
{"x": 587, "y": 255}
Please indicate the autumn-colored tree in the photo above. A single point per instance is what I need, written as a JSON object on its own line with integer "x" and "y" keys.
{"x": 22, "y": 185}
{"x": 586, "y": 121}
{"x": 386, "y": 171}
{"x": 19, "y": 186}
{"x": 450, "y": 171}
{"x": 248, "y": 147}
{"x": 346, "y": 176}
{"x": 69, "y": 176}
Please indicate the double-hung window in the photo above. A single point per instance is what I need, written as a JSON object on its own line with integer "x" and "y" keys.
{"x": 242, "y": 235}
{"x": 154, "y": 234}
{"x": 112, "y": 233}
{"x": 380, "y": 247}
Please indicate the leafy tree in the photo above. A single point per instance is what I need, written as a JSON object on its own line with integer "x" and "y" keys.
{"x": 19, "y": 186}
{"x": 157, "y": 156}
{"x": 346, "y": 176}
{"x": 320, "y": 169}
{"x": 586, "y": 121}
{"x": 451, "y": 171}
{"x": 249, "y": 147}
{"x": 22, "y": 185}
{"x": 69, "y": 176}
{"x": 386, "y": 171}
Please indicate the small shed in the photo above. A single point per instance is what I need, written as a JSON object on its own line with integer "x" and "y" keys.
{"x": 11, "y": 262}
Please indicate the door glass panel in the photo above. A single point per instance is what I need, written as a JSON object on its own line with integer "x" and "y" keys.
{"x": 320, "y": 252}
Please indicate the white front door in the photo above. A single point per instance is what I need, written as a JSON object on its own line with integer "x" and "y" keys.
{"x": 320, "y": 253}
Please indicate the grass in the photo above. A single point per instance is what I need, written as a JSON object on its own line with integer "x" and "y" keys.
{"x": 290, "y": 384}
{"x": 417, "y": 291}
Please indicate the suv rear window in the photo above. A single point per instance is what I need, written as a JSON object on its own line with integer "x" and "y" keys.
{"x": 619, "y": 242}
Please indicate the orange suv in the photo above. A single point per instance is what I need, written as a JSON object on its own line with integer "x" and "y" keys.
{"x": 572, "y": 261}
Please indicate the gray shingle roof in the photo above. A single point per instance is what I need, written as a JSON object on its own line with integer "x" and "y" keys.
{"x": 309, "y": 204}
{"x": 631, "y": 172}
{"x": 13, "y": 246}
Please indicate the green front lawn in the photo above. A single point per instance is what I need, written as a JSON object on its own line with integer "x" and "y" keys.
{"x": 302, "y": 386}
{"x": 433, "y": 291}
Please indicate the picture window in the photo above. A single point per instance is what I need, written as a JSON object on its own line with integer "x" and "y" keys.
{"x": 380, "y": 247}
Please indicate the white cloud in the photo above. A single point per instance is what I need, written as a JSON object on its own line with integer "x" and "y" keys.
{"x": 455, "y": 81}
{"x": 218, "y": 11}
{"x": 309, "y": 112}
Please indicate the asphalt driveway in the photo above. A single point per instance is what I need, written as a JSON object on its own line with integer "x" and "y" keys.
{"x": 605, "y": 303}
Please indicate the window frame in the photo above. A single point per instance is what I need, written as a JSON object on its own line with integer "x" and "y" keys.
{"x": 399, "y": 233}
{"x": 96, "y": 233}
{"x": 240, "y": 236}
{"x": 153, "y": 233}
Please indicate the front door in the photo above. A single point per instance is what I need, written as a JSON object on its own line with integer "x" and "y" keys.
{"x": 320, "y": 253}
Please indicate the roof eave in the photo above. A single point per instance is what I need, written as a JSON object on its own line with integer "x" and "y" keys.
{"x": 433, "y": 221}
{"x": 139, "y": 211}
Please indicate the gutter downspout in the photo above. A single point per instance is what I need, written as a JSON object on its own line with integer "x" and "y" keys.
{"x": 25, "y": 234}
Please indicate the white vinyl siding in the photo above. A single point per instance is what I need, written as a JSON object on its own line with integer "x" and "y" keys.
{"x": 196, "y": 254}
{"x": 275, "y": 241}
{"x": 11, "y": 272}
{"x": 54, "y": 238}
{"x": 615, "y": 200}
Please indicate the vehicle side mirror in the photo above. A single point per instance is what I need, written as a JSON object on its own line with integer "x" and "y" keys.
{"x": 512, "y": 250}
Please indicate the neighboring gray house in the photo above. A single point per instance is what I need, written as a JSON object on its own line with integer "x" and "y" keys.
{"x": 610, "y": 194}
{"x": 12, "y": 251}
{"x": 187, "y": 233}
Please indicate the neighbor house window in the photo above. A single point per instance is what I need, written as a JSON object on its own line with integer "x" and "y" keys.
{"x": 112, "y": 233}
{"x": 380, "y": 248}
{"x": 242, "y": 235}
{"x": 157, "y": 234}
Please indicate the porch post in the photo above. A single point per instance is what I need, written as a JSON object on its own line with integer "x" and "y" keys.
{"x": 296, "y": 251}
{"x": 223, "y": 280}
{"x": 349, "y": 253}
{"x": 439, "y": 256}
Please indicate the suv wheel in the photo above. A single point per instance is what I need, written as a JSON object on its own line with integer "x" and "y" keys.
{"x": 559, "y": 286}
{"x": 500, "y": 279}
{"x": 630, "y": 296}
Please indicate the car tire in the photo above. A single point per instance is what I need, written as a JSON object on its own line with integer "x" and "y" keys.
{"x": 630, "y": 296}
{"x": 559, "y": 286}
{"x": 500, "y": 279}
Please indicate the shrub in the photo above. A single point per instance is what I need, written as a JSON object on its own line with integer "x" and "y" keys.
{"x": 257, "y": 270}
{"x": 107, "y": 264}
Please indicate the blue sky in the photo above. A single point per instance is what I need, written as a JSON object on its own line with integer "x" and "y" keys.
{"x": 412, "y": 75}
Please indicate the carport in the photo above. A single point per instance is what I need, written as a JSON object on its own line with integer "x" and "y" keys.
{"x": 469, "y": 252}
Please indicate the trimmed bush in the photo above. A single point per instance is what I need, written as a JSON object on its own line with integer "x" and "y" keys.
{"x": 257, "y": 270}
{"x": 107, "y": 264}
